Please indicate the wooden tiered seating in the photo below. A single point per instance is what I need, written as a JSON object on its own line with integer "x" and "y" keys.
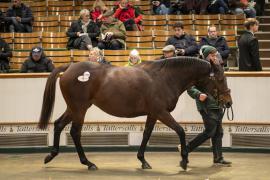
{"x": 79, "y": 55}
{"x": 50, "y": 23}
{"x": 54, "y": 40}
{"x": 59, "y": 58}
{"x": 60, "y": 8}
{"x": 17, "y": 59}
{"x": 26, "y": 41}
{"x": 65, "y": 22}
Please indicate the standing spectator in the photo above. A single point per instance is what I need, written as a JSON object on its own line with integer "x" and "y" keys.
{"x": 128, "y": 15}
{"x": 184, "y": 44}
{"x": 216, "y": 41}
{"x": 37, "y": 62}
{"x": 113, "y": 33}
{"x": 5, "y": 54}
{"x": 134, "y": 58}
{"x": 96, "y": 55}
{"x": 19, "y": 17}
{"x": 159, "y": 8}
{"x": 260, "y": 7}
{"x": 249, "y": 57}
{"x": 83, "y": 33}
{"x": 211, "y": 112}
{"x": 168, "y": 52}
{"x": 218, "y": 7}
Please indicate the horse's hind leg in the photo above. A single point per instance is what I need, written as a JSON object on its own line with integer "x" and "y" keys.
{"x": 168, "y": 120}
{"x": 75, "y": 133}
{"x": 149, "y": 125}
{"x": 59, "y": 125}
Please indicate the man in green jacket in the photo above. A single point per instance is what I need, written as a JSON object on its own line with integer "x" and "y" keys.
{"x": 211, "y": 112}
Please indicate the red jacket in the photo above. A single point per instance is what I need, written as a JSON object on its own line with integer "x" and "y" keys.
{"x": 129, "y": 13}
{"x": 95, "y": 14}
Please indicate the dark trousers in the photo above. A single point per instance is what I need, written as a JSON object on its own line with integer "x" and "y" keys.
{"x": 82, "y": 42}
{"x": 16, "y": 26}
{"x": 199, "y": 6}
{"x": 219, "y": 6}
{"x": 212, "y": 120}
{"x": 113, "y": 44}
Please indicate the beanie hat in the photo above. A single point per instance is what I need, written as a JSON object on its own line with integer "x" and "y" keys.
{"x": 206, "y": 50}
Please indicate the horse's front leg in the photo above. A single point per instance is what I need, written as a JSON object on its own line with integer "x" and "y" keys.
{"x": 169, "y": 121}
{"x": 149, "y": 125}
{"x": 75, "y": 133}
{"x": 59, "y": 125}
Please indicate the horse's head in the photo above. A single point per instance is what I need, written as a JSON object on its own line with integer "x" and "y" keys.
{"x": 220, "y": 82}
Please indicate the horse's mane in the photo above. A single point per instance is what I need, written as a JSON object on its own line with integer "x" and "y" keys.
{"x": 175, "y": 62}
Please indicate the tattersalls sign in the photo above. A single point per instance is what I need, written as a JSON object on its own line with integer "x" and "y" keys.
{"x": 135, "y": 130}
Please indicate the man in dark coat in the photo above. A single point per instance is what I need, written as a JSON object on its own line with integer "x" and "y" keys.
{"x": 249, "y": 57}
{"x": 216, "y": 41}
{"x": 37, "y": 62}
{"x": 5, "y": 54}
{"x": 19, "y": 17}
{"x": 211, "y": 112}
{"x": 83, "y": 33}
{"x": 184, "y": 44}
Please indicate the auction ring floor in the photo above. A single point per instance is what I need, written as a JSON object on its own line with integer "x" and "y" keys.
{"x": 124, "y": 165}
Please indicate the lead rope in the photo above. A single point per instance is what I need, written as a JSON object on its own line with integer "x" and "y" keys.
{"x": 228, "y": 115}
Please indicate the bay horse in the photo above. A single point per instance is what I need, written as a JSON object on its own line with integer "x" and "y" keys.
{"x": 151, "y": 88}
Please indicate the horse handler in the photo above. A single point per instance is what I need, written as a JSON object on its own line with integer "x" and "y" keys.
{"x": 211, "y": 112}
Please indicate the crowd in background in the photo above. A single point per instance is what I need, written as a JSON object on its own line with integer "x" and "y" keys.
{"x": 104, "y": 28}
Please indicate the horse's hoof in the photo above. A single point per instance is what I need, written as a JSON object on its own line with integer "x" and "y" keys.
{"x": 48, "y": 158}
{"x": 183, "y": 164}
{"x": 93, "y": 167}
{"x": 146, "y": 166}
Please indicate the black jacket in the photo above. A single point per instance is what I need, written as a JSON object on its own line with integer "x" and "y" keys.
{"x": 5, "y": 54}
{"x": 76, "y": 26}
{"x": 26, "y": 14}
{"x": 185, "y": 42}
{"x": 249, "y": 58}
{"x": 219, "y": 43}
{"x": 32, "y": 66}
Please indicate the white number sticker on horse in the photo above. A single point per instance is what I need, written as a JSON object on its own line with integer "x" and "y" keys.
{"x": 84, "y": 77}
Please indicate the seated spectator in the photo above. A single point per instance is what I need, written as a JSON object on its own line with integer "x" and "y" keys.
{"x": 96, "y": 55}
{"x": 216, "y": 41}
{"x": 19, "y": 17}
{"x": 244, "y": 6}
{"x": 99, "y": 8}
{"x": 128, "y": 15}
{"x": 83, "y": 33}
{"x": 2, "y": 21}
{"x": 218, "y": 7}
{"x": 113, "y": 33}
{"x": 159, "y": 8}
{"x": 37, "y": 62}
{"x": 196, "y": 6}
{"x": 5, "y": 54}
{"x": 184, "y": 44}
{"x": 168, "y": 51}
{"x": 178, "y": 7}
{"x": 134, "y": 58}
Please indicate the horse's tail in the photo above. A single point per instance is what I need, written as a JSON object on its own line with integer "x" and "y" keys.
{"x": 49, "y": 97}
